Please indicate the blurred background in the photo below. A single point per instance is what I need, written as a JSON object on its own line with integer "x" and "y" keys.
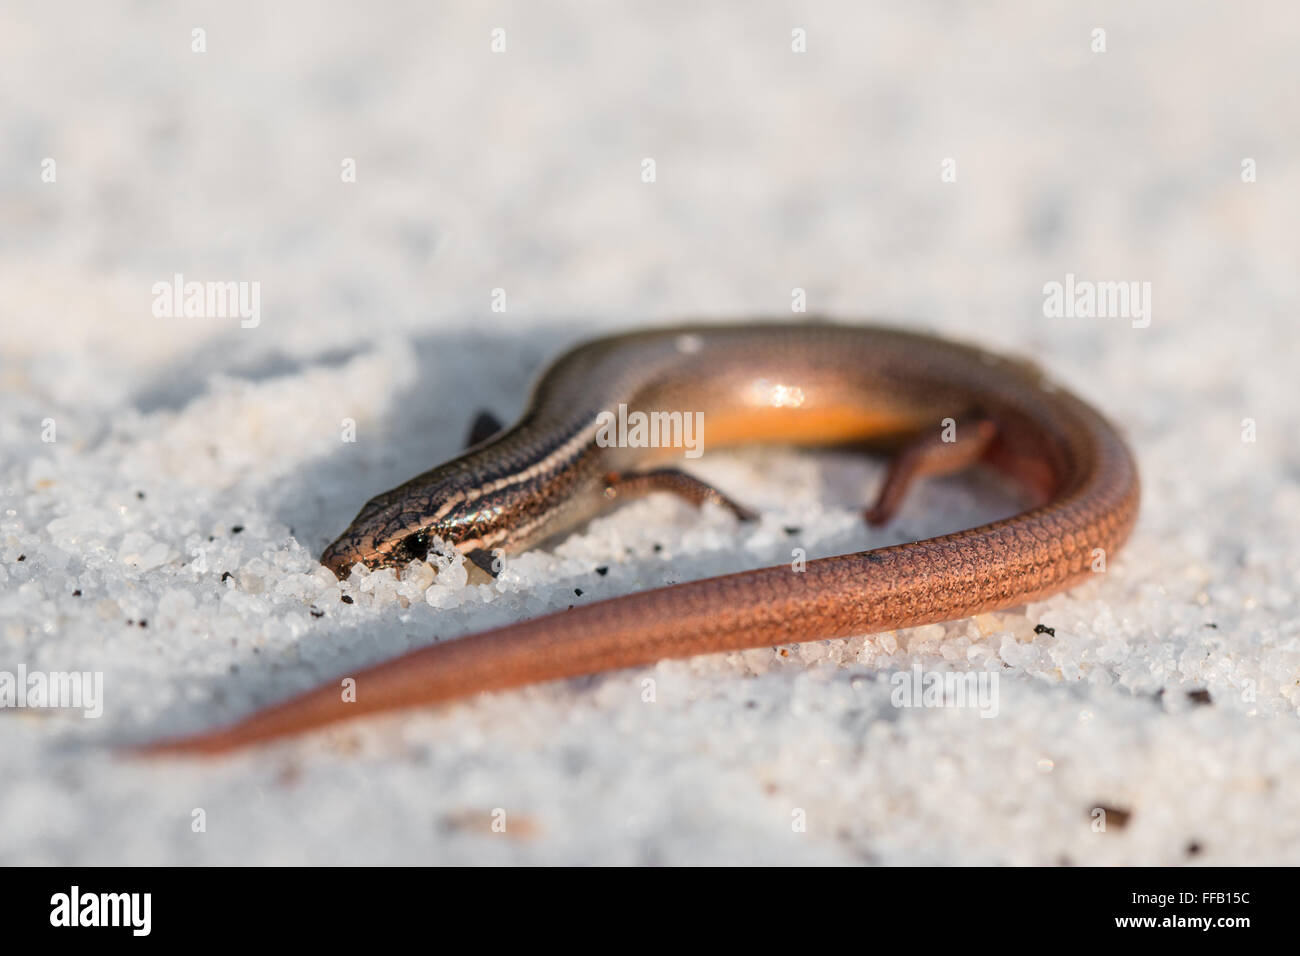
{"x": 390, "y": 173}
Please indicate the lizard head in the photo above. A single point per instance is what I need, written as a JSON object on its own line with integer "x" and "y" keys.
{"x": 405, "y": 524}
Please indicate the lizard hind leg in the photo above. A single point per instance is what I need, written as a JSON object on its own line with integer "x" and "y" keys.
{"x": 953, "y": 447}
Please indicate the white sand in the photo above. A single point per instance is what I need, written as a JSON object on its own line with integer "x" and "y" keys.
{"x": 522, "y": 171}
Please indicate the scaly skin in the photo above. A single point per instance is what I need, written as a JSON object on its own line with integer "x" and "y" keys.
{"x": 811, "y": 383}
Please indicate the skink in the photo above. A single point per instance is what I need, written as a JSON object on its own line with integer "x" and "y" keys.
{"x": 939, "y": 407}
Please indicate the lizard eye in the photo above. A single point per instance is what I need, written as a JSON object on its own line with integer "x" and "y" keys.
{"x": 416, "y": 546}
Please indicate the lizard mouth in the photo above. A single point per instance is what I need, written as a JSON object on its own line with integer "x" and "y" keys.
{"x": 340, "y": 556}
